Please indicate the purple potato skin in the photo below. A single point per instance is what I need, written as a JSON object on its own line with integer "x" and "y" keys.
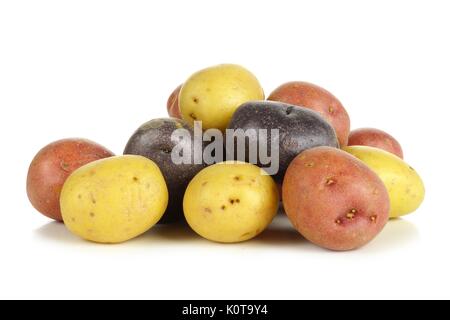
{"x": 299, "y": 129}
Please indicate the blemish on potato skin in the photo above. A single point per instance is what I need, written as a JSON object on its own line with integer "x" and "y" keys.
{"x": 246, "y": 234}
{"x": 193, "y": 116}
{"x": 195, "y": 99}
{"x": 309, "y": 164}
{"x": 92, "y": 215}
{"x": 135, "y": 179}
{"x": 223, "y": 207}
{"x": 93, "y": 200}
{"x": 338, "y": 221}
{"x": 351, "y": 214}
{"x": 331, "y": 110}
{"x": 330, "y": 182}
{"x": 237, "y": 178}
{"x": 73, "y": 219}
{"x": 204, "y": 183}
{"x": 374, "y": 218}
{"x": 64, "y": 166}
{"x": 207, "y": 210}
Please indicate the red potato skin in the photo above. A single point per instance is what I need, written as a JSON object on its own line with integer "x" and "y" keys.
{"x": 173, "y": 106}
{"x": 334, "y": 200}
{"x": 52, "y": 166}
{"x": 376, "y": 138}
{"x": 313, "y": 97}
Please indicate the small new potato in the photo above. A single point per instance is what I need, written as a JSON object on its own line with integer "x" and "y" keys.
{"x": 313, "y": 97}
{"x": 173, "y": 106}
{"x": 212, "y": 95}
{"x": 376, "y": 138}
{"x": 230, "y": 202}
{"x": 405, "y": 187}
{"x": 334, "y": 200}
{"x": 115, "y": 199}
{"x": 52, "y": 165}
{"x": 299, "y": 129}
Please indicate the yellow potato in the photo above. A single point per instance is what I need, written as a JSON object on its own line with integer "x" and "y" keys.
{"x": 212, "y": 95}
{"x": 115, "y": 199}
{"x": 404, "y": 185}
{"x": 230, "y": 202}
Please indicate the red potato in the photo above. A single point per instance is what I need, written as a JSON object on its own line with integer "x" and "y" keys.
{"x": 52, "y": 166}
{"x": 173, "y": 106}
{"x": 313, "y": 97}
{"x": 371, "y": 137}
{"x": 334, "y": 200}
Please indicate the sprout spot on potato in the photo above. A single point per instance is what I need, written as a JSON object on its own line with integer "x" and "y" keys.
{"x": 195, "y": 99}
{"x": 223, "y": 207}
{"x": 92, "y": 215}
{"x": 204, "y": 183}
{"x": 374, "y": 218}
{"x": 135, "y": 179}
{"x": 330, "y": 181}
{"x": 338, "y": 221}
{"x": 351, "y": 214}
{"x": 309, "y": 164}
{"x": 233, "y": 201}
{"x": 93, "y": 200}
{"x": 331, "y": 110}
{"x": 193, "y": 116}
{"x": 237, "y": 178}
{"x": 289, "y": 110}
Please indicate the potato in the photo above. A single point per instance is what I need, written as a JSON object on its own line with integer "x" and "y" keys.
{"x": 334, "y": 200}
{"x": 173, "y": 106}
{"x": 405, "y": 187}
{"x": 115, "y": 199}
{"x": 213, "y": 94}
{"x": 371, "y": 137}
{"x": 299, "y": 129}
{"x": 230, "y": 202}
{"x": 153, "y": 141}
{"x": 52, "y": 165}
{"x": 313, "y": 97}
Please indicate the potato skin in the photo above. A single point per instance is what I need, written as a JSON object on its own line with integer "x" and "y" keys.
{"x": 115, "y": 199}
{"x": 313, "y": 97}
{"x": 230, "y": 202}
{"x": 212, "y": 95}
{"x": 334, "y": 200}
{"x": 299, "y": 129}
{"x": 405, "y": 187}
{"x": 52, "y": 165}
{"x": 153, "y": 141}
{"x": 376, "y": 138}
{"x": 173, "y": 106}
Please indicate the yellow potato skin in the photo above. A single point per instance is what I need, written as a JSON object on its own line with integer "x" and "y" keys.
{"x": 230, "y": 202}
{"x": 212, "y": 95}
{"x": 115, "y": 199}
{"x": 405, "y": 187}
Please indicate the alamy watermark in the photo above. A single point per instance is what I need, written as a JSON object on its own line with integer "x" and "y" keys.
{"x": 252, "y": 145}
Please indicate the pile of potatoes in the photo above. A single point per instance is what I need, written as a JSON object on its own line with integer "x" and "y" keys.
{"x": 339, "y": 188}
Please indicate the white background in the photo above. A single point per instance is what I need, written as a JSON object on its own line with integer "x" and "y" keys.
{"x": 99, "y": 69}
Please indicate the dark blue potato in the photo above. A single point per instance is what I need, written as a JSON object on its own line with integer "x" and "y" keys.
{"x": 153, "y": 141}
{"x": 299, "y": 129}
